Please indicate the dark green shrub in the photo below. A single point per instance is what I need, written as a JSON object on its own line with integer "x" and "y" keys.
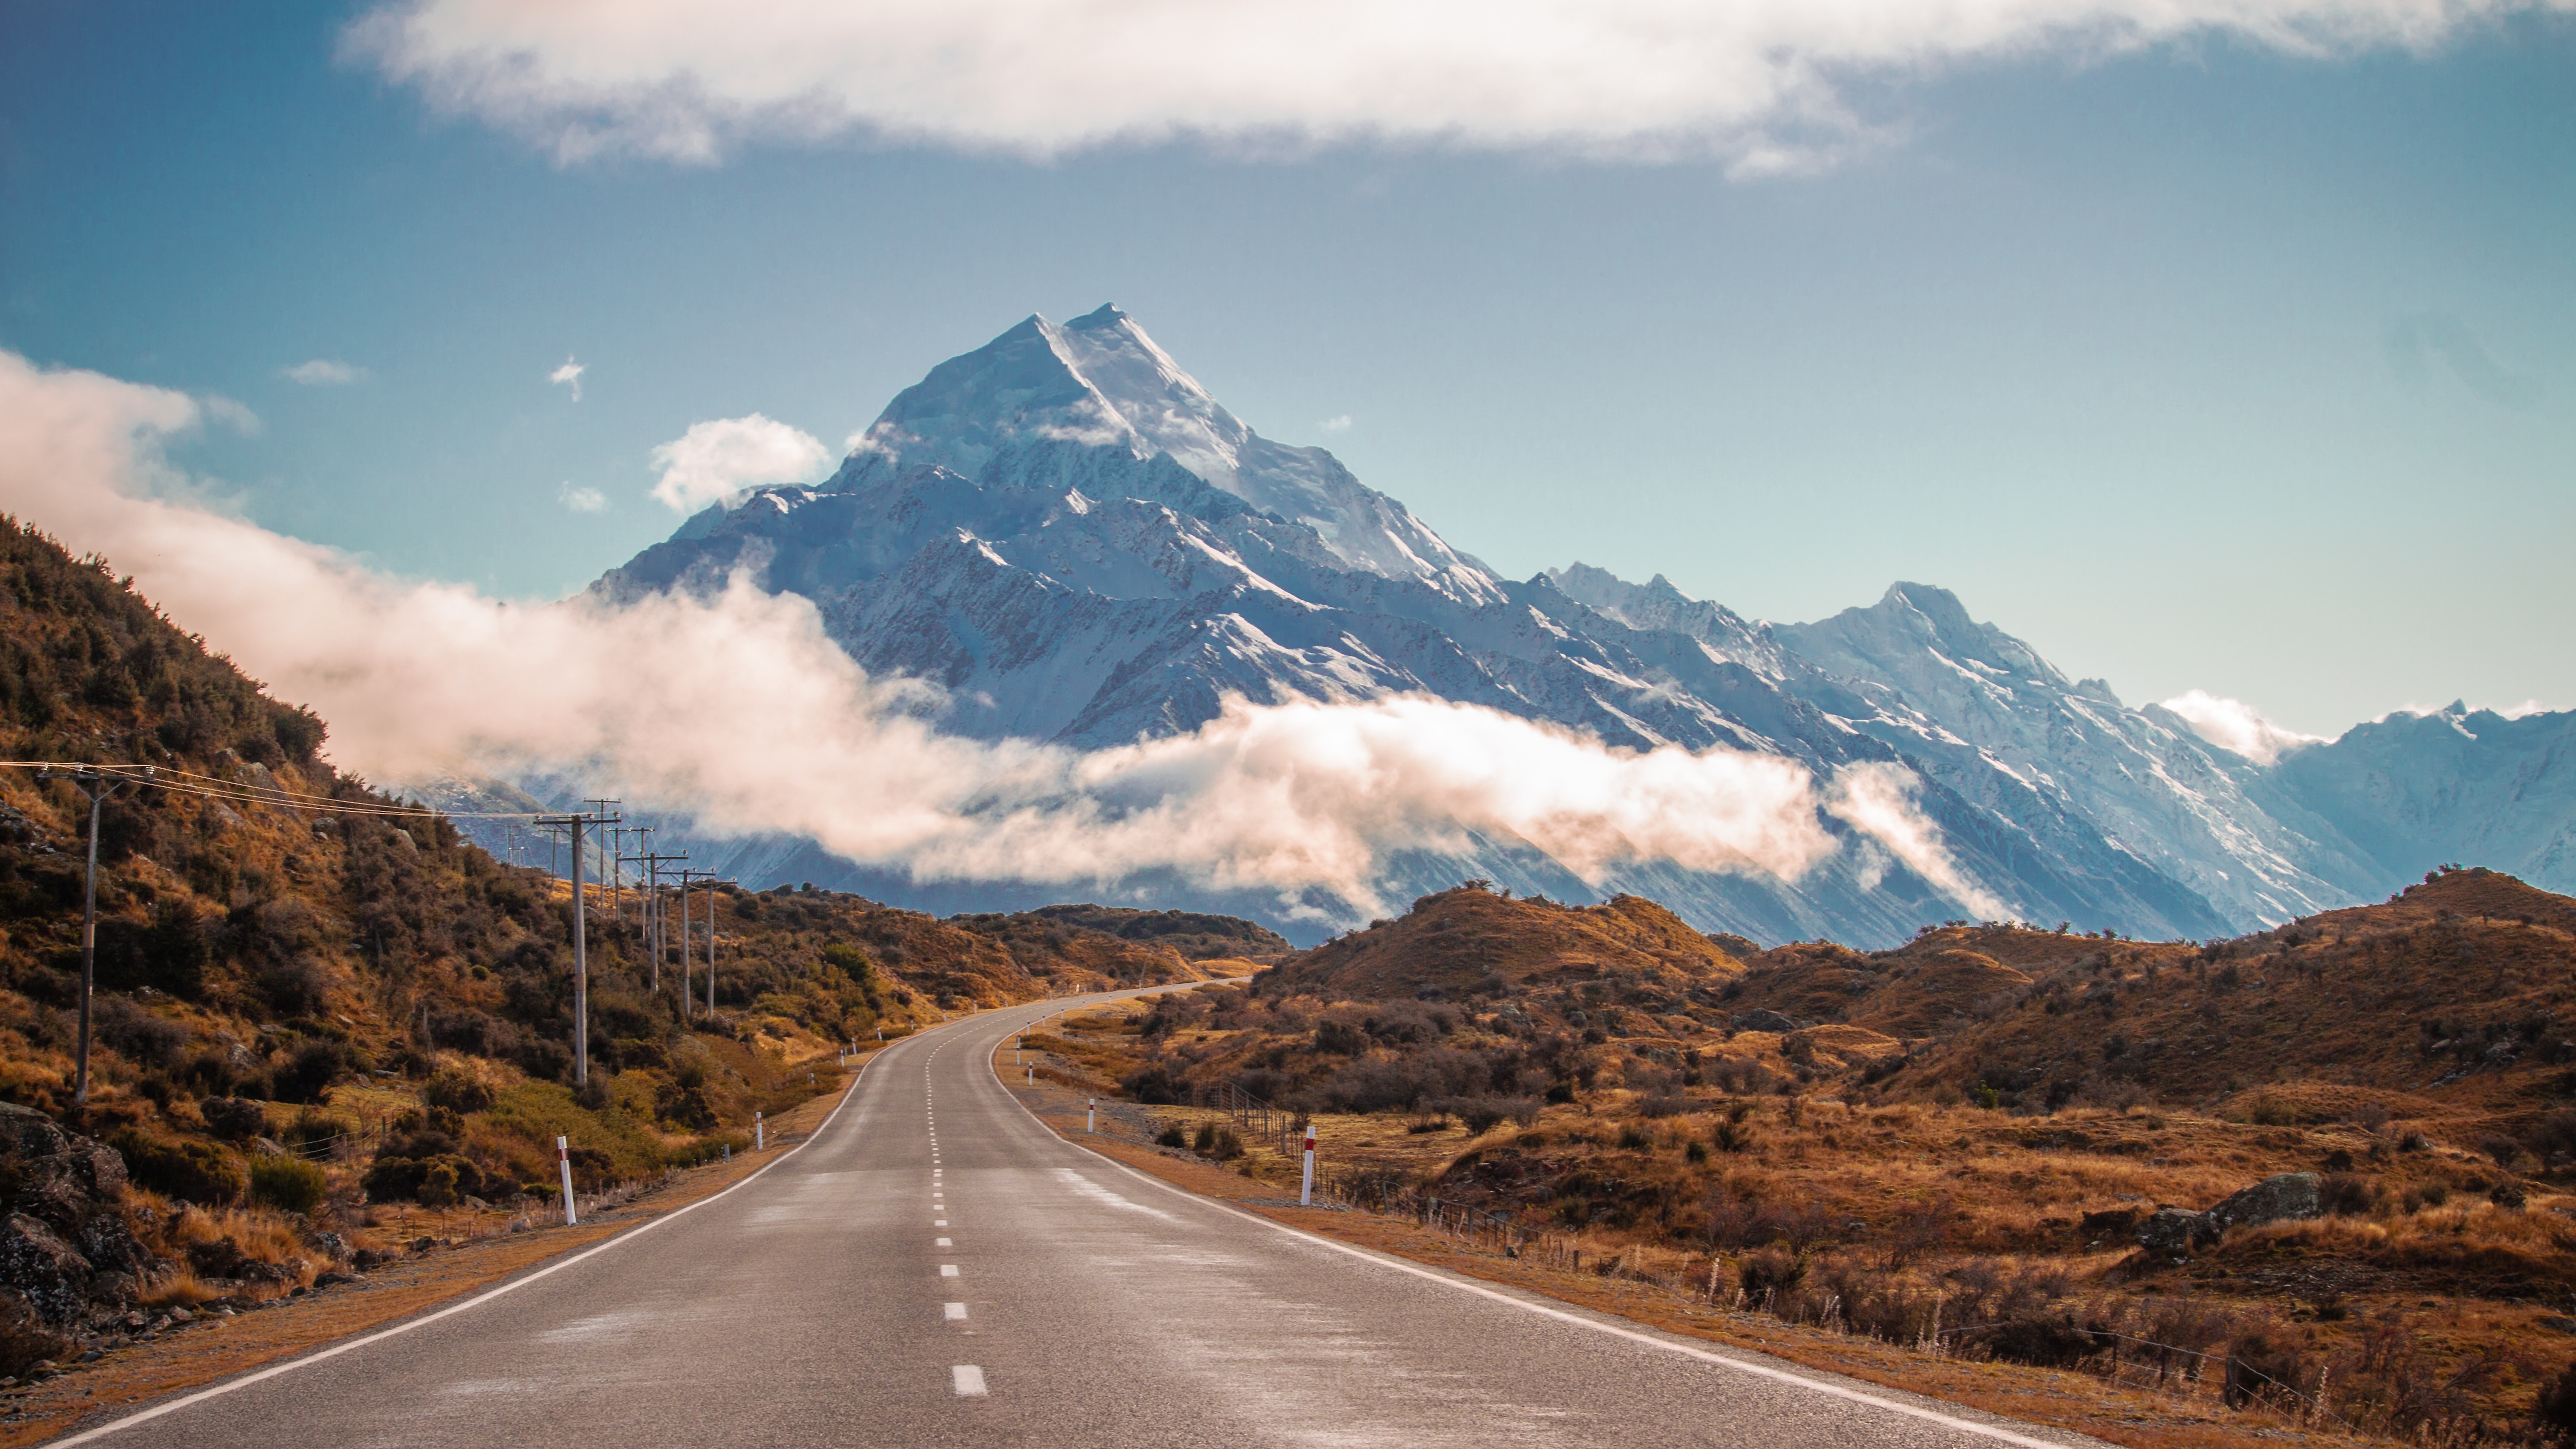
{"x": 424, "y": 1179}
{"x": 1172, "y": 1136}
{"x": 308, "y": 1074}
{"x": 458, "y": 1093}
{"x": 288, "y": 1183}
{"x": 1773, "y": 1270}
{"x": 200, "y": 1172}
{"x": 235, "y": 1119}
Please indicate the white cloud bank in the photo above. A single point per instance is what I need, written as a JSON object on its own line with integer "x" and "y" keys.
{"x": 2232, "y": 724}
{"x": 751, "y": 719}
{"x": 568, "y": 375}
{"x": 715, "y": 460}
{"x": 581, "y": 500}
{"x": 1756, "y": 81}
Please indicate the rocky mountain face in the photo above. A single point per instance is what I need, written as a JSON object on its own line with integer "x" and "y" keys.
{"x": 1070, "y": 535}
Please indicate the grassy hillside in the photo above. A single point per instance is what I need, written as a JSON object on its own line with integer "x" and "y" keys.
{"x": 1971, "y": 1133}
{"x": 320, "y": 1011}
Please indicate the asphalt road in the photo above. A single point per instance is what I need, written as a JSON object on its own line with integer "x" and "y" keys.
{"x": 934, "y": 1267}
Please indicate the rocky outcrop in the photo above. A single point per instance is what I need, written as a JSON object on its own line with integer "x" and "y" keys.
{"x": 65, "y": 1245}
{"x": 2286, "y": 1198}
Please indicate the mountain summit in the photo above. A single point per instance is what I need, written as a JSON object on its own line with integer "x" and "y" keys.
{"x": 1070, "y": 535}
{"x": 1038, "y": 404}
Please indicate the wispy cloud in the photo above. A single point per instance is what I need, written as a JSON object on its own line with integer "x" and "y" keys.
{"x": 1759, "y": 83}
{"x": 568, "y": 375}
{"x": 324, "y": 372}
{"x": 2234, "y": 725}
{"x": 2414, "y": 343}
{"x": 581, "y": 500}
{"x": 715, "y": 460}
{"x": 1340, "y": 423}
{"x": 753, "y": 720}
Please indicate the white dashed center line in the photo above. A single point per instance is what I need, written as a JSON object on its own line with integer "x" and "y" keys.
{"x": 956, "y": 1312}
{"x": 947, "y": 1270}
{"x": 939, "y": 1222}
{"x": 943, "y": 1243}
{"x": 968, "y": 1379}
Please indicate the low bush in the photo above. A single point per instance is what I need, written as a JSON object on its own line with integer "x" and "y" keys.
{"x": 458, "y": 1093}
{"x": 289, "y": 1184}
{"x": 199, "y": 1172}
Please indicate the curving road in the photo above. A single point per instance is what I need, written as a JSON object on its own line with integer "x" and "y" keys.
{"x": 935, "y": 1267}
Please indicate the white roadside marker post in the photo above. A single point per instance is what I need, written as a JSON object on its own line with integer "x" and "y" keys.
{"x": 1091, "y": 1115}
{"x": 759, "y": 1131}
{"x": 563, "y": 1157}
{"x": 1306, "y": 1190}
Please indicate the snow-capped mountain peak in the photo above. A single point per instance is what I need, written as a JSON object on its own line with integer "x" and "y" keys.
{"x": 1044, "y": 394}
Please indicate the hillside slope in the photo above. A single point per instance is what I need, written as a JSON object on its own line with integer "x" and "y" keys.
{"x": 317, "y": 1006}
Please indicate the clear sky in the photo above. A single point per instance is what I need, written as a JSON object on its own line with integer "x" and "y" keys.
{"x": 2215, "y": 360}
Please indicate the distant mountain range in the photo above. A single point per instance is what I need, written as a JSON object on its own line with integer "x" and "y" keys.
{"x": 1065, "y": 530}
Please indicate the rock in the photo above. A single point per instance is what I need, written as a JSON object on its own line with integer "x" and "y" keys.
{"x": 332, "y": 1246}
{"x": 2287, "y": 1197}
{"x": 366, "y": 1258}
{"x": 423, "y": 1245}
{"x": 89, "y": 1355}
{"x": 182, "y": 1315}
{"x": 1763, "y": 1019}
{"x": 65, "y": 1243}
{"x": 2557, "y": 1323}
{"x": 50, "y": 1273}
{"x": 333, "y": 1280}
{"x": 2175, "y": 1231}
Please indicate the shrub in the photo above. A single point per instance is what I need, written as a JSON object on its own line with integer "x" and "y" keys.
{"x": 2508, "y": 1195}
{"x": 2345, "y": 1194}
{"x": 435, "y": 1180}
{"x": 200, "y": 1172}
{"x": 1172, "y": 1136}
{"x": 1219, "y": 1142}
{"x": 288, "y": 1183}
{"x": 2553, "y": 1413}
{"x": 311, "y": 1071}
{"x": 237, "y": 1119}
{"x": 1773, "y": 1270}
{"x": 458, "y": 1093}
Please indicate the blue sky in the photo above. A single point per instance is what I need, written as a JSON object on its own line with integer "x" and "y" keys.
{"x": 2201, "y": 365}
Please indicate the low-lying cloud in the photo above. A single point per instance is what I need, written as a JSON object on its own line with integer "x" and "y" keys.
{"x": 714, "y": 461}
{"x": 1758, "y": 82}
{"x": 750, "y": 719}
{"x": 2232, "y": 724}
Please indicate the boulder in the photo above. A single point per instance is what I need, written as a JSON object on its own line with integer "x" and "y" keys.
{"x": 47, "y": 1272}
{"x": 2175, "y": 1232}
{"x": 2286, "y": 1198}
{"x": 1763, "y": 1018}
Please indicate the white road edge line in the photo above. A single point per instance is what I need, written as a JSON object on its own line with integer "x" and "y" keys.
{"x": 1763, "y": 1371}
{"x": 848, "y": 1094}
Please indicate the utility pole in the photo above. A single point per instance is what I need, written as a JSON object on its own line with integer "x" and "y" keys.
{"x": 688, "y": 1007}
{"x": 711, "y": 948}
{"x": 649, "y": 922}
{"x": 96, "y": 785}
{"x": 580, "y": 945}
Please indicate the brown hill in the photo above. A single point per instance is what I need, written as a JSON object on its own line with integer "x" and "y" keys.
{"x": 1472, "y": 942}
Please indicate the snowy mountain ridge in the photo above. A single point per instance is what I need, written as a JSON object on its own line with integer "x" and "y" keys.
{"x": 1066, "y": 531}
